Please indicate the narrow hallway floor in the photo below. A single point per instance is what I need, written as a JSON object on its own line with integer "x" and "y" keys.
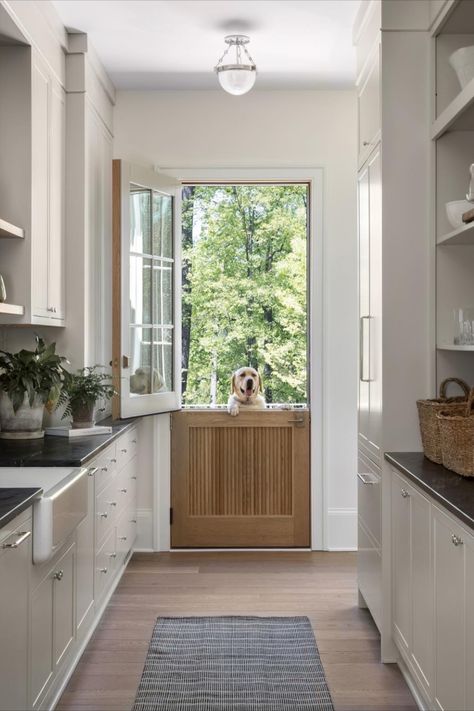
{"x": 320, "y": 585}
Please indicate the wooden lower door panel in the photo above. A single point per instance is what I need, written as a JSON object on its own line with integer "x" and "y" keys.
{"x": 240, "y": 481}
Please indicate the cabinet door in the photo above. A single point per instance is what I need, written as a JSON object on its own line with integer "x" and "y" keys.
{"x": 375, "y": 308}
{"x": 364, "y": 307}
{"x": 85, "y": 558}
{"x": 57, "y": 203}
{"x": 63, "y": 604}
{"x": 449, "y": 562}
{"x": 368, "y": 101}
{"x": 401, "y": 564}
{"x": 422, "y": 590}
{"x": 15, "y": 560}
{"x": 40, "y": 189}
{"x": 41, "y": 638}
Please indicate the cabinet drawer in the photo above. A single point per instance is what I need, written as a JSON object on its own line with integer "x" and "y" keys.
{"x": 369, "y": 496}
{"x": 369, "y": 568}
{"x": 127, "y": 486}
{"x": 126, "y": 533}
{"x": 127, "y": 447}
{"x": 106, "y": 464}
{"x": 106, "y": 507}
{"x": 105, "y": 566}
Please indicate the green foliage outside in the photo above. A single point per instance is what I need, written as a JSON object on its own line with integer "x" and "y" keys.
{"x": 244, "y": 290}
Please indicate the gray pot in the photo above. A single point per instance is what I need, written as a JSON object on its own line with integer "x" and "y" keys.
{"x": 83, "y": 416}
{"x": 25, "y": 423}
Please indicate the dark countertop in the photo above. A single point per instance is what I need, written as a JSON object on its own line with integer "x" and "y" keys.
{"x": 454, "y": 492}
{"x": 14, "y": 501}
{"x": 59, "y": 451}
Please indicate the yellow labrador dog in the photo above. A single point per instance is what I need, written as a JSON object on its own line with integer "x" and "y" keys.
{"x": 245, "y": 391}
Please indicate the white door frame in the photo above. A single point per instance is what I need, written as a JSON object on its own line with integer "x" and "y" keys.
{"x": 161, "y": 449}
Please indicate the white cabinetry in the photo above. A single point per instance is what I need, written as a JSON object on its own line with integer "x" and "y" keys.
{"x": 454, "y": 615}
{"x": 52, "y": 619}
{"x": 48, "y": 185}
{"x": 15, "y": 562}
{"x": 432, "y": 584}
{"x": 33, "y": 268}
{"x": 412, "y": 588}
{"x": 368, "y": 104}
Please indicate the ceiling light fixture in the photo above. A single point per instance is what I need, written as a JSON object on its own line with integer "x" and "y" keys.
{"x": 237, "y": 78}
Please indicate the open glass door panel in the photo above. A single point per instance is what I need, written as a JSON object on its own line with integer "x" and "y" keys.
{"x": 146, "y": 360}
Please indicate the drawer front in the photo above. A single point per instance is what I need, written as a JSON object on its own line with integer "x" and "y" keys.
{"x": 106, "y": 507}
{"x": 126, "y": 533}
{"x": 127, "y": 486}
{"x": 369, "y": 496}
{"x": 369, "y": 569}
{"x": 106, "y": 464}
{"x": 368, "y": 101}
{"x": 127, "y": 447}
{"x": 105, "y": 566}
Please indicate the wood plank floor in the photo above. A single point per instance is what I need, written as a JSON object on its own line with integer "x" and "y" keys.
{"x": 319, "y": 585}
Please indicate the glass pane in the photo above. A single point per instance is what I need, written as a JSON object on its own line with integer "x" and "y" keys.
{"x": 163, "y": 359}
{"x": 140, "y": 290}
{"x": 162, "y": 225}
{"x": 140, "y": 227}
{"x": 162, "y": 293}
{"x": 140, "y": 361}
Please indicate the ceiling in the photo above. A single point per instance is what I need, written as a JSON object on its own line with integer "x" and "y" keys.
{"x": 174, "y": 44}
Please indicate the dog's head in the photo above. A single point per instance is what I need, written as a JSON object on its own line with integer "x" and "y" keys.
{"x": 246, "y": 383}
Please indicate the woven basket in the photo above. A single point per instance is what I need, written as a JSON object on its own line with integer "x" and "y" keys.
{"x": 428, "y": 411}
{"x": 457, "y": 438}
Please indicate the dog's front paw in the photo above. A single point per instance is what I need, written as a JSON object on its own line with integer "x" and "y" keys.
{"x": 234, "y": 410}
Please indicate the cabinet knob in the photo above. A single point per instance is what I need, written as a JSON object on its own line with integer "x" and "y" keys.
{"x": 124, "y": 491}
{"x": 113, "y": 555}
{"x": 133, "y": 520}
{"x": 104, "y": 514}
{"x": 134, "y": 441}
{"x": 124, "y": 451}
{"x": 113, "y": 461}
{"x": 133, "y": 477}
{"x": 59, "y": 575}
{"x": 103, "y": 570}
{"x": 104, "y": 469}
{"x": 123, "y": 538}
{"x": 111, "y": 503}
{"x": 456, "y": 540}
{"x": 404, "y": 493}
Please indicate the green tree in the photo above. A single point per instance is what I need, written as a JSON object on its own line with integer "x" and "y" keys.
{"x": 244, "y": 252}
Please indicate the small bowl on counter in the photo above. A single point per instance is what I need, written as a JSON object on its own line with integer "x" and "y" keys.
{"x": 455, "y": 210}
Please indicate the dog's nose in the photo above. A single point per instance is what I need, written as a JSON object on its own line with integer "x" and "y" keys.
{"x": 249, "y": 383}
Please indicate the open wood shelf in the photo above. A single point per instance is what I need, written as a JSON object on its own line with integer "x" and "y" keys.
{"x": 453, "y": 347}
{"x": 10, "y": 231}
{"x": 461, "y": 235}
{"x": 453, "y": 115}
{"x": 12, "y": 309}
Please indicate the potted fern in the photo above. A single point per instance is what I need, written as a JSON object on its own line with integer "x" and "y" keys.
{"x": 29, "y": 381}
{"x": 81, "y": 392}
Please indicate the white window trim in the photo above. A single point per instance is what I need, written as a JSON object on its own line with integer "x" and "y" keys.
{"x": 319, "y": 486}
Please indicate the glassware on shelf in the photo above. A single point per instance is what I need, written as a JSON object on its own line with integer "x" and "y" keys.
{"x": 464, "y": 326}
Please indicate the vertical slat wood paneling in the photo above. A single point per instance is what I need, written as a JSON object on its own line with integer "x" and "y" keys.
{"x": 244, "y": 471}
{"x": 232, "y": 477}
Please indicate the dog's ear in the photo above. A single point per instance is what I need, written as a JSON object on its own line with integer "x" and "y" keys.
{"x": 260, "y": 383}
{"x": 232, "y": 384}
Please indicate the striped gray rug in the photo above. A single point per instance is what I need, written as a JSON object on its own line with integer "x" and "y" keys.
{"x": 233, "y": 664}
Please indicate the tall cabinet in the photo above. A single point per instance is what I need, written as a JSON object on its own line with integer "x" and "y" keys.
{"x": 394, "y": 275}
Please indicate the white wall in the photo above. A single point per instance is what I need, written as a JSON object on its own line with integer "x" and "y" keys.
{"x": 278, "y": 129}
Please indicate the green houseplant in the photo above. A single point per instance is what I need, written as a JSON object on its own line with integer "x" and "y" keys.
{"x": 80, "y": 393}
{"x": 29, "y": 381}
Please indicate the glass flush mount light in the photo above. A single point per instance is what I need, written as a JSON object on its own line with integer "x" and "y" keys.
{"x": 237, "y": 78}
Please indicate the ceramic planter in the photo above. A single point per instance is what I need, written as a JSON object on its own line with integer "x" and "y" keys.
{"x": 25, "y": 423}
{"x": 462, "y": 61}
{"x": 83, "y": 416}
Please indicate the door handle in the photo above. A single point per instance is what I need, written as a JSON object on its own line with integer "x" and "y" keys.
{"x": 367, "y": 478}
{"x": 297, "y": 421}
{"x": 125, "y": 361}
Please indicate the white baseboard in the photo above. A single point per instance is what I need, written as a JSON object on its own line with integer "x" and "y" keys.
{"x": 144, "y": 540}
{"x": 342, "y": 529}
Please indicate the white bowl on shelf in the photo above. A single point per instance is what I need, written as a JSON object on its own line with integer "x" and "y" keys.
{"x": 462, "y": 61}
{"x": 455, "y": 210}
